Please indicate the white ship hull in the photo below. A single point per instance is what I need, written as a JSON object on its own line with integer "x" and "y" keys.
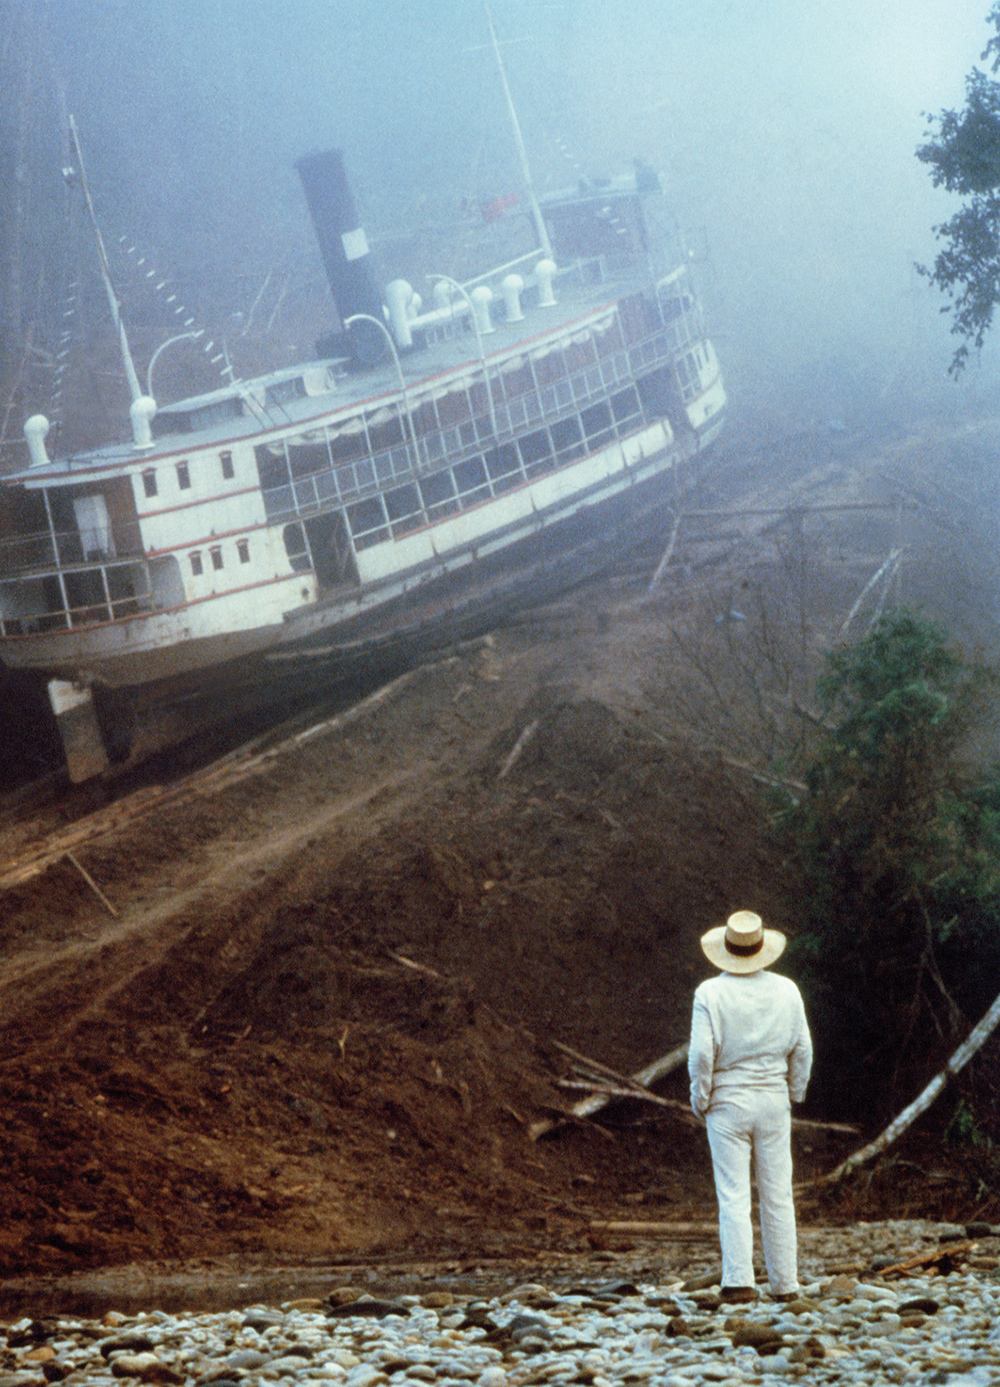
{"x": 318, "y": 517}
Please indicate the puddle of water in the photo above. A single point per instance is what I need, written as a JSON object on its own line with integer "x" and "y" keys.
{"x": 132, "y": 1289}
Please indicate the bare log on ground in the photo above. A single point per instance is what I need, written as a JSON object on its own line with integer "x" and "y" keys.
{"x": 654, "y": 1228}
{"x": 948, "y": 1254}
{"x": 607, "y": 1084}
{"x": 633, "y": 1086}
{"x": 976, "y": 1038}
{"x": 517, "y": 748}
{"x": 661, "y": 567}
{"x": 886, "y": 570}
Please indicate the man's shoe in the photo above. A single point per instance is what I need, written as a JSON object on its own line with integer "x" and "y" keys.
{"x": 786, "y": 1297}
{"x": 738, "y": 1295}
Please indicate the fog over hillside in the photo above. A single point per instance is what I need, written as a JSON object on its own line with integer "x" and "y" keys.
{"x": 785, "y": 135}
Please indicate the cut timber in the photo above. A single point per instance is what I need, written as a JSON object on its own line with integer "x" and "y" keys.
{"x": 976, "y": 1038}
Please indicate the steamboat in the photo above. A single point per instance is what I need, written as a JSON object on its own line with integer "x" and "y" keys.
{"x": 435, "y": 466}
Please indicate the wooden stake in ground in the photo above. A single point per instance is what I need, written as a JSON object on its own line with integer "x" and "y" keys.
{"x": 661, "y": 567}
{"x": 976, "y": 1039}
{"x": 92, "y": 884}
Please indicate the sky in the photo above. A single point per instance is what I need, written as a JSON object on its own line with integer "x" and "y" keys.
{"x": 785, "y": 134}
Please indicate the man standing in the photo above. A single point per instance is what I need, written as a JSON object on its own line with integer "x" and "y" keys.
{"x": 749, "y": 1060}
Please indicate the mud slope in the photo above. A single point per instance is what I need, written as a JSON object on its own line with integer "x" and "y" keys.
{"x": 338, "y": 983}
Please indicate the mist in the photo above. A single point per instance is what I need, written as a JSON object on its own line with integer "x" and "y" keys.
{"x": 785, "y": 137}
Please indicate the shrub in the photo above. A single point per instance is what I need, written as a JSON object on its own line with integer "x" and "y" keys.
{"x": 897, "y": 840}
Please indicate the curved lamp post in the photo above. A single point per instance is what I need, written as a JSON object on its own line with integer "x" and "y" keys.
{"x": 368, "y": 318}
{"x": 181, "y": 337}
{"x": 463, "y": 292}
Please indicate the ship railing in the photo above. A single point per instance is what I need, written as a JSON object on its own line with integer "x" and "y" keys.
{"x": 514, "y": 422}
{"x": 47, "y": 550}
{"x": 528, "y": 261}
{"x": 478, "y": 475}
{"x": 81, "y": 590}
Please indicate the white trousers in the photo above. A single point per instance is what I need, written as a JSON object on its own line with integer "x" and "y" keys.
{"x": 757, "y": 1122}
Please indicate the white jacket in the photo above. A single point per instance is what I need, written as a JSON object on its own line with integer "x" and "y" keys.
{"x": 748, "y": 1031}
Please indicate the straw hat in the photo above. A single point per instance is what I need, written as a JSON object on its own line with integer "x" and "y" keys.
{"x": 742, "y": 944}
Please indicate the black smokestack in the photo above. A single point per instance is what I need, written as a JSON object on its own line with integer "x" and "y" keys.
{"x": 344, "y": 248}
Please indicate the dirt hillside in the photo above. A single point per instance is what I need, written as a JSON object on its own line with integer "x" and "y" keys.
{"x": 312, "y": 1000}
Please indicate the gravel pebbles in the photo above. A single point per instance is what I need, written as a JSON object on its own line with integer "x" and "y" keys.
{"x": 849, "y": 1326}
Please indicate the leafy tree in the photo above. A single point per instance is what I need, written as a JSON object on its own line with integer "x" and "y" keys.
{"x": 964, "y": 157}
{"x": 898, "y": 845}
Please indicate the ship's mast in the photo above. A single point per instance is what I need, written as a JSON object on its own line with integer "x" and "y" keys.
{"x": 135, "y": 389}
{"x": 536, "y": 211}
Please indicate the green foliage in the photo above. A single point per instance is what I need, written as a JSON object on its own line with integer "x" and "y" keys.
{"x": 963, "y": 154}
{"x": 963, "y": 1129}
{"x": 898, "y": 847}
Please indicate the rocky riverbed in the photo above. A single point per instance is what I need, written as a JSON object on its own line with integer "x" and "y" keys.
{"x": 896, "y": 1302}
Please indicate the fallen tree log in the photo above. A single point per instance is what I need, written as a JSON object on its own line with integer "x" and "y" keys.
{"x": 948, "y": 1254}
{"x": 633, "y": 1087}
{"x": 655, "y": 1228}
{"x": 608, "y": 1085}
{"x": 975, "y": 1040}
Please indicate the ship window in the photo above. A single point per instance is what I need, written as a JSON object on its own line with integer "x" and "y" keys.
{"x": 401, "y": 502}
{"x": 596, "y": 421}
{"x": 655, "y": 392}
{"x": 469, "y": 476}
{"x": 566, "y": 438}
{"x": 534, "y": 447}
{"x": 687, "y": 371}
{"x": 243, "y": 549}
{"x": 367, "y": 522}
{"x": 609, "y": 342}
{"x": 453, "y": 408}
{"x": 625, "y": 404}
{"x": 149, "y": 482}
{"x": 403, "y": 506}
{"x": 424, "y": 418}
{"x": 387, "y": 433}
{"x": 438, "y": 492}
{"x": 227, "y": 465}
{"x": 273, "y": 470}
{"x": 183, "y": 476}
{"x": 478, "y": 399}
{"x": 216, "y": 555}
{"x": 518, "y": 380}
{"x": 437, "y": 488}
{"x": 549, "y": 368}
{"x": 196, "y": 564}
{"x": 504, "y": 468}
{"x": 346, "y": 446}
{"x": 580, "y": 354}
{"x": 296, "y": 548}
{"x": 305, "y": 459}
